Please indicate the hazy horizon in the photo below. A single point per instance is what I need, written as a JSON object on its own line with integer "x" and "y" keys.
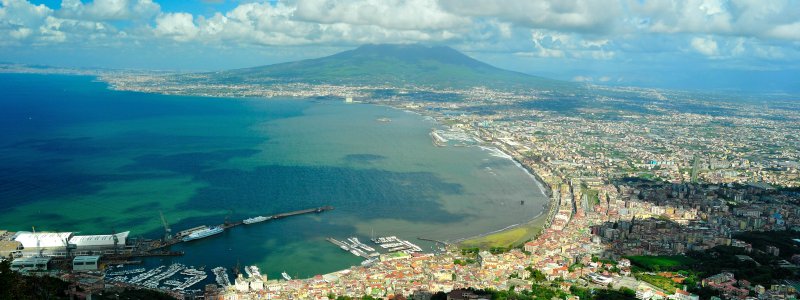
{"x": 709, "y": 44}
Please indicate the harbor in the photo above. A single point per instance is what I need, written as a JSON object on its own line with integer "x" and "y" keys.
{"x": 205, "y": 231}
{"x": 387, "y": 245}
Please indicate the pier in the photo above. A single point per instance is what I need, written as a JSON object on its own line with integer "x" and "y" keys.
{"x": 148, "y": 248}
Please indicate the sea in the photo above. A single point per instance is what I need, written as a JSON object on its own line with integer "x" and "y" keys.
{"x": 77, "y": 156}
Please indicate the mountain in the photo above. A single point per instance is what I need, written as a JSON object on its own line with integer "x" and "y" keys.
{"x": 389, "y": 64}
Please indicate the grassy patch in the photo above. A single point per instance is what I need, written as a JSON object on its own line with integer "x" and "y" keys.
{"x": 661, "y": 263}
{"x": 660, "y": 282}
{"x": 506, "y": 238}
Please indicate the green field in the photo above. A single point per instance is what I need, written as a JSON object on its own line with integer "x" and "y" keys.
{"x": 661, "y": 263}
{"x": 507, "y": 238}
{"x": 663, "y": 283}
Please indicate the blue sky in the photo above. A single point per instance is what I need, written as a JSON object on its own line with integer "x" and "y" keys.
{"x": 718, "y": 44}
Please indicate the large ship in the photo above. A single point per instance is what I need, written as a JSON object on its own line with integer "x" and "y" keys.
{"x": 286, "y": 276}
{"x": 255, "y": 220}
{"x": 203, "y": 233}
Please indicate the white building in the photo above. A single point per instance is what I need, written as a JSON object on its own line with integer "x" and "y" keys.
{"x": 56, "y": 243}
{"x": 30, "y": 264}
{"x": 86, "y": 263}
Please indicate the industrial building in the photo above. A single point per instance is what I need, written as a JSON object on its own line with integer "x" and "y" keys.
{"x": 30, "y": 264}
{"x": 86, "y": 263}
{"x": 62, "y": 244}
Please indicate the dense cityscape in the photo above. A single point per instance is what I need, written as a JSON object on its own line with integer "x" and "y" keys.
{"x": 400, "y": 149}
{"x": 631, "y": 174}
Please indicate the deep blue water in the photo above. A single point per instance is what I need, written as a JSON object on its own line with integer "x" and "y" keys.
{"x": 76, "y": 156}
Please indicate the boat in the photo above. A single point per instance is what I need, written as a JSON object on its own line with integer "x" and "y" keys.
{"x": 254, "y": 220}
{"x": 247, "y": 271}
{"x": 369, "y": 262}
{"x": 256, "y": 273}
{"x": 222, "y": 276}
{"x": 203, "y": 233}
{"x": 286, "y": 276}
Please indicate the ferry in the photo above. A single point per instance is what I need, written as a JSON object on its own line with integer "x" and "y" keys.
{"x": 254, "y": 220}
{"x": 203, "y": 233}
{"x": 252, "y": 271}
{"x": 286, "y": 276}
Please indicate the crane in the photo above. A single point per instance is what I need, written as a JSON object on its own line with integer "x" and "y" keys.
{"x": 167, "y": 230}
{"x": 68, "y": 247}
{"x": 37, "y": 242}
{"x": 116, "y": 239}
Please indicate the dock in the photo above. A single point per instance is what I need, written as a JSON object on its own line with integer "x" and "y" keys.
{"x": 155, "y": 245}
{"x": 354, "y": 247}
{"x": 388, "y": 244}
{"x": 301, "y": 212}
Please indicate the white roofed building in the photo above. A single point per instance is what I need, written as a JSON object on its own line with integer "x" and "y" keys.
{"x": 99, "y": 241}
{"x": 55, "y": 243}
{"x": 45, "y": 240}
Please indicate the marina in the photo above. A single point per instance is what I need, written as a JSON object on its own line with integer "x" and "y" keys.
{"x": 388, "y": 244}
{"x": 221, "y": 276}
{"x": 176, "y": 277}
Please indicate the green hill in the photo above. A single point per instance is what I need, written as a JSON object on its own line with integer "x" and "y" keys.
{"x": 394, "y": 65}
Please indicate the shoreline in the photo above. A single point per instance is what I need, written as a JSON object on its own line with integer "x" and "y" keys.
{"x": 427, "y": 116}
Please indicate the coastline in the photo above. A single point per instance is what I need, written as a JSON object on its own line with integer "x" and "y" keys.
{"x": 506, "y": 237}
{"x": 521, "y": 224}
{"x": 514, "y": 234}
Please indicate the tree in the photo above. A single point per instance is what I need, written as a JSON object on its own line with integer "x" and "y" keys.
{"x": 536, "y": 275}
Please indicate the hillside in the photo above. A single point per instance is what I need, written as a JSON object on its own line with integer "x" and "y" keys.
{"x": 394, "y": 65}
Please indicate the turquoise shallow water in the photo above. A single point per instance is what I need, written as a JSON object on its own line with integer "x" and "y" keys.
{"x": 75, "y": 156}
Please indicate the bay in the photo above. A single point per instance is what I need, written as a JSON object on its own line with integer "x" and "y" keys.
{"x": 76, "y": 156}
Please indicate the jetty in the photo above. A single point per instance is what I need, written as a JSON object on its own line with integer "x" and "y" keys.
{"x": 149, "y": 248}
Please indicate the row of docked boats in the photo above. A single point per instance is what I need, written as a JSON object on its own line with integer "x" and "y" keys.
{"x": 174, "y": 277}
{"x": 354, "y": 246}
{"x": 394, "y": 244}
{"x": 221, "y": 276}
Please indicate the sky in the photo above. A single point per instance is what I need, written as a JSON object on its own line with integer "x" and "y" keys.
{"x": 695, "y": 44}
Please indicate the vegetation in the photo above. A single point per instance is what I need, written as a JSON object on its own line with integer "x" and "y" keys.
{"x": 760, "y": 270}
{"x": 661, "y": 263}
{"x": 514, "y": 237}
{"x": 16, "y": 286}
{"x": 660, "y": 282}
{"x": 621, "y": 294}
{"x": 536, "y": 275}
{"x": 536, "y": 292}
{"x": 133, "y": 294}
{"x": 780, "y": 239}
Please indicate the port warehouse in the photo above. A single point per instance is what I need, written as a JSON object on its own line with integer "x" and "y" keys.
{"x": 60, "y": 244}
{"x": 79, "y": 263}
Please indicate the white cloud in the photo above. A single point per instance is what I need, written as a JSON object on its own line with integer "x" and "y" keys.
{"x": 559, "y": 45}
{"x": 577, "y": 30}
{"x": 388, "y": 14}
{"x": 571, "y": 16}
{"x": 786, "y": 31}
{"x": 581, "y": 78}
{"x": 774, "y": 19}
{"x": 109, "y": 10}
{"x": 178, "y": 26}
{"x": 706, "y": 46}
{"x": 264, "y": 24}
{"x": 15, "y": 14}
